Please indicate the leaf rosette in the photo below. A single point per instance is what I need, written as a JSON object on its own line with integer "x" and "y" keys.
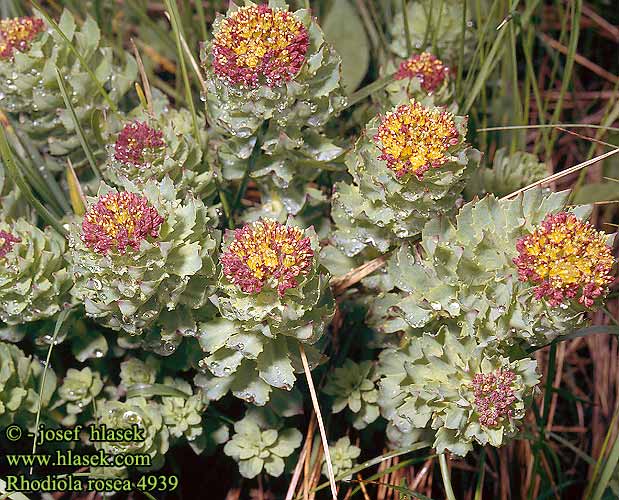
{"x": 34, "y": 281}
{"x": 143, "y": 257}
{"x": 79, "y": 388}
{"x": 353, "y": 386}
{"x": 258, "y": 445}
{"x": 408, "y": 167}
{"x": 519, "y": 272}
{"x": 464, "y": 392}
{"x": 509, "y": 173}
{"x": 30, "y": 89}
{"x": 146, "y": 415}
{"x": 272, "y": 294}
{"x": 20, "y": 386}
{"x": 343, "y": 456}
{"x": 153, "y": 147}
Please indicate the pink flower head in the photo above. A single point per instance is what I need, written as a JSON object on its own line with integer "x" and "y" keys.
{"x": 267, "y": 253}
{"x": 7, "y": 240}
{"x": 258, "y": 43}
{"x": 565, "y": 257}
{"x": 17, "y": 34}
{"x": 138, "y": 144}
{"x": 119, "y": 220}
{"x": 494, "y": 396}
{"x": 430, "y": 71}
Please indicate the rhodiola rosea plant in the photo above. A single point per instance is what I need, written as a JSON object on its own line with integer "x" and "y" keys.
{"x": 287, "y": 240}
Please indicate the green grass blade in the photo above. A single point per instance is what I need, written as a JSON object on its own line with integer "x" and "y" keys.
{"x": 16, "y": 176}
{"x": 174, "y": 20}
{"x": 62, "y": 316}
{"x": 78, "y": 126}
{"x": 610, "y": 464}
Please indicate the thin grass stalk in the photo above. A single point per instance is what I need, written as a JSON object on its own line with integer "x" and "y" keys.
{"x": 48, "y": 184}
{"x": 566, "y": 77}
{"x": 177, "y": 29}
{"x": 610, "y": 464}
{"x": 201, "y": 19}
{"x": 31, "y": 175}
{"x": 78, "y": 126}
{"x": 15, "y": 174}
{"x": 321, "y": 425}
{"x": 556, "y": 62}
{"x": 563, "y": 173}
{"x": 62, "y": 316}
{"x": 435, "y": 31}
{"x": 461, "y": 51}
{"x": 517, "y": 106}
{"x": 368, "y": 90}
{"x": 479, "y": 488}
{"x": 549, "y": 125}
{"x": 487, "y": 66}
{"x": 407, "y": 30}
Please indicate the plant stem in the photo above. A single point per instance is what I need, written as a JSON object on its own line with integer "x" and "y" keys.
{"x": 449, "y": 492}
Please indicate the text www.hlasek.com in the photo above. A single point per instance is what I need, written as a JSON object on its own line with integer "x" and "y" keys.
{"x": 70, "y": 459}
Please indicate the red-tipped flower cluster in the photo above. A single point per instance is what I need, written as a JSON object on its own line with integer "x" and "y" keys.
{"x": 17, "y": 34}
{"x": 118, "y": 221}
{"x": 565, "y": 257}
{"x": 430, "y": 71}
{"x": 138, "y": 144}
{"x": 494, "y": 396}
{"x": 267, "y": 253}
{"x": 413, "y": 138}
{"x": 7, "y": 240}
{"x": 257, "y": 44}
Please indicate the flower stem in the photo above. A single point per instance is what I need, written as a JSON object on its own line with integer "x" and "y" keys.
{"x": 449, "y": 492}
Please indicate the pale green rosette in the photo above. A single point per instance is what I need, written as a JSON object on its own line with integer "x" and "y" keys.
{"x": 258, "y": 445}
{"x": 146, "y": 415}
{"x": 509, "y": 173}
{"x": 379, "y": 208}
{"x": 182, "y": 415}
{"x": 30, "y": 90}
{"x": 181, "y": 157}
{"x": 160, "y": 282}
{"x": 20, "y": 384}
{"x": 353, "y": 385}
{"x": 78, "y": 390}
{"x": 255, "y": 344}
{"x": 134, "y": 371}
{"x": 307, "y": 100}
{"x": 467, "y": 275}
{"x": 441, "y": 383}
{"x": 343, "y": 455}
{"x": 34, "y": 281}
